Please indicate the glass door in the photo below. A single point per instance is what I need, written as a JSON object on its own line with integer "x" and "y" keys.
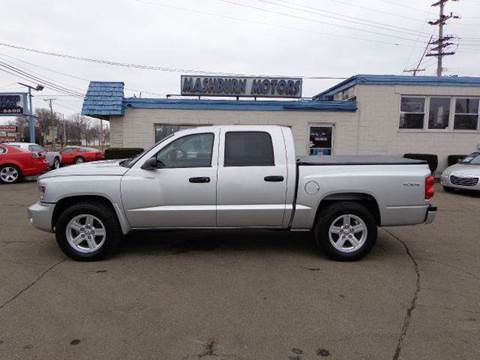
{"x": 321, "y": 140}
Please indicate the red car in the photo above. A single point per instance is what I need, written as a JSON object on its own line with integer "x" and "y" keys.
{"x": 16, "y": 163}
{"x": 78, "y": 155}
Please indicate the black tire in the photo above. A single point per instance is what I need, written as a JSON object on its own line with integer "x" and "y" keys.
{"x": 329, "y": 217}
{"x": 109, "y": 220}
{"x": 9, "y": 166}
{"x": 448, "y": 189}
{"x": 79, "y": 160}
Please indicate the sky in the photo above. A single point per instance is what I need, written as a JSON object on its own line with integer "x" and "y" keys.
{"x": 308, "y": 38}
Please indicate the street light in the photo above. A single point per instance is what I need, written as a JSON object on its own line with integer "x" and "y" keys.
{"x": 31, "y": 123}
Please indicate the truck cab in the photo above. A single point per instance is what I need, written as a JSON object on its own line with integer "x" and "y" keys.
{"x": 227, "y": 177}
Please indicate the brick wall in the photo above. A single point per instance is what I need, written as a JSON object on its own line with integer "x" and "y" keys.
{"x": 136, "y": 128}
{"x": 379, "y": 133}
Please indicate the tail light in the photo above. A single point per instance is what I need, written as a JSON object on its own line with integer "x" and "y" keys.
{"x": 429, "y": 187}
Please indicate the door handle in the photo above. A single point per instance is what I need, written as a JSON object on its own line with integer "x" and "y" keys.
{"x": 273, "y": 178}
{"x": 202, "y": 179}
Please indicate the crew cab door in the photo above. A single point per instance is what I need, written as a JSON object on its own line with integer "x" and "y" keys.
{"x": 252, "y": 178}
{"x": 181, "y": 193}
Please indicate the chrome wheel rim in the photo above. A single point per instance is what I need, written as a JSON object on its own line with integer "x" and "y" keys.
{"x": 9, "y": 174}
{"x": 86, "y": 233}
{"x": 348, "y": 233}
{"x": 79, "y": 161}
{"x": 56, "y": 164}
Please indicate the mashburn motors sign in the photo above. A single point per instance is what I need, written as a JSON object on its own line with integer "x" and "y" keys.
{"x": 13, "y": 104}
{"x": 241, "y": 86}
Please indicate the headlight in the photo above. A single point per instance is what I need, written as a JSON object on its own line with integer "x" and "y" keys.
{"x": 42, "y": 188}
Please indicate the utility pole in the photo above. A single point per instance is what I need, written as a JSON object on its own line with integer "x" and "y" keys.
{"x": 442, "y": 42}
{"x": 64, "y": 131}
{"x": 417, "y": 68}
{"x": 31, "y": 121}
{"x": 50, "y": 103}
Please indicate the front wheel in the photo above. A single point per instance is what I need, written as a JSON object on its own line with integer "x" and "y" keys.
{"x": 88, "y": 231}
{"x": 79, "y": 160}
{"x": 346, "y": 231}
{"x": 9, "y": 174}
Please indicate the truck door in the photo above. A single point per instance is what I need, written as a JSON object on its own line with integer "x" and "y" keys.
{"x": 252, "y": 178}
{"x": 182, "y": 192}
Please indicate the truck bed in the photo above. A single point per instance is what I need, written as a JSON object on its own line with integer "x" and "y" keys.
{"x": 356, "y": 160}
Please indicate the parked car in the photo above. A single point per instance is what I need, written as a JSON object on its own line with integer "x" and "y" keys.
{"x": 80, "y": 154}
{"x": 16, "y": 163}
{"x": 223, "y": 177}
{"x": 464, "y": 175}
{"x": 53, "y": 157}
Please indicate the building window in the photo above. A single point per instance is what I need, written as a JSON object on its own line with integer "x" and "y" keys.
{"x": 466, "y": 114}
{"x": 248, "y": 149}
{"x": 412, "y": 112}
{"x": 439, "y": 113}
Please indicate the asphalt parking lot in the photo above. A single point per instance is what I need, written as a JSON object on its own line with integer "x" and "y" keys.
{"x": 230, "y": 295}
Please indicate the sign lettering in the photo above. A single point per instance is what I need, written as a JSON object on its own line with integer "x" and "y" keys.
{"x": 241, "y": 86}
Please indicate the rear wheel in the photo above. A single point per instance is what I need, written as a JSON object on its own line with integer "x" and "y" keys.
{"x": 79, "y": 160}
{"x": 346, "y": 231}
{"x": 88, "y": 231}
{"x": 10, "y": 174}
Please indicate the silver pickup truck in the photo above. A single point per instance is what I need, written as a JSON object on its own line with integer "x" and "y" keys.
{"x": 232, "y": 177}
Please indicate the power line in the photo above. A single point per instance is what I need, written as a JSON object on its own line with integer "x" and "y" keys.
{"x": 5, "y": 67}
{"x": 55, "y": 82}
{"x": 377, "y": 10}
{"x": 338, "y": 16}
{"x": 70, "y": 75}
{"x": 152, "y": 67}
{"x": 283, "y": 27}
{"x": 314, "y": 20}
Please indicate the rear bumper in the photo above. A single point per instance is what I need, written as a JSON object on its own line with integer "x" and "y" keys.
{"x": 40, "y": 215}
{"x": 431, "y": 213}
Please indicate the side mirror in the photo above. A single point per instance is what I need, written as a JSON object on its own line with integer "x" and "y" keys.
{"x": 151, "y": 164}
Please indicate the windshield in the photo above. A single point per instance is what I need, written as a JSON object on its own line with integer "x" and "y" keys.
{"x": 472, "y": 159}
{"x": 130, "y": 162}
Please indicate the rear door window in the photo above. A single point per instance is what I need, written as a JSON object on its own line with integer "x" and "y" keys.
{"x": 248, "y": 148}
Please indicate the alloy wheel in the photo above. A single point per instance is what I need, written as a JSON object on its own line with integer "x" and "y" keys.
{"x": 86, "y": 233}
{"x": 348, "y": 233}
{"x": 9, "y": 174}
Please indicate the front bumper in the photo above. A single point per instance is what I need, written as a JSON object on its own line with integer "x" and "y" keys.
{"x": 445, "y": 181}
{"x": 431, "y": 213}
{"x": 40, "y": 215}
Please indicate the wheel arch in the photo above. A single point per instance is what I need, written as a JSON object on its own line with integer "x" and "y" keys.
{"x": 364, "y": 199}
{"x": 65, "y": 202}
{"x": 16, "y": 165}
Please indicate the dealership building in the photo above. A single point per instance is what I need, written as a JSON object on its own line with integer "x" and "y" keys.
{"x": 365, "y": 114}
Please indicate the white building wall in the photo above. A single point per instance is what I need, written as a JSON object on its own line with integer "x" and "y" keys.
{"x": 136, "y": 127}
{"x": 379, "y": 133}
